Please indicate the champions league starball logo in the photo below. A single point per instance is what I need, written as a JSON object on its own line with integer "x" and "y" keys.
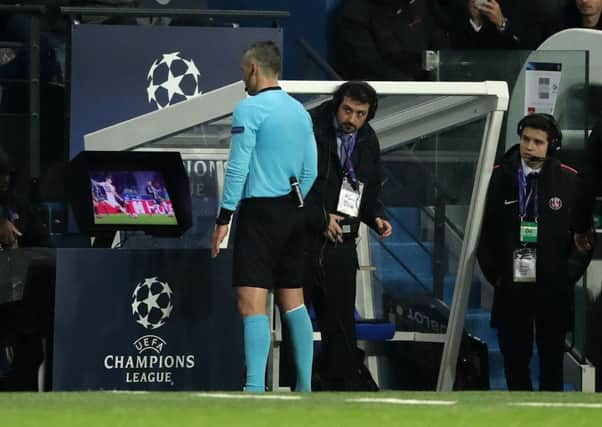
{"x": 171, "y": 79}
{"x": 151, "y": 303}
{"x": 151, "y": 307}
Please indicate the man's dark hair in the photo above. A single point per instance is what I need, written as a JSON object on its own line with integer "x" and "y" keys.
{"x": 546, "y": 123}
{"x": 267, "y": 54}
{"x": 358, "y": 91}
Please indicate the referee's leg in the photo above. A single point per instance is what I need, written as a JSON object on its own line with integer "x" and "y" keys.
{"x": 252, "y": 307}
{"x": 301, "y": 333}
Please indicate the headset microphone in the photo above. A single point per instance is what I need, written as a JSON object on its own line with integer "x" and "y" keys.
{"x": 537, "y": 158}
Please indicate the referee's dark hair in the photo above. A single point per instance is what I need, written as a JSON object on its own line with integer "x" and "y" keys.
{"x": 358, "y": 91}
{"x": 267, "y": 55}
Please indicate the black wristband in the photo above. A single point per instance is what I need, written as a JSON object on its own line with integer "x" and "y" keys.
{"x": 224, "y": 216}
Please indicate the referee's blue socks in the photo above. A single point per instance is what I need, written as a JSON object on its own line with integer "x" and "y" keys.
{"x": 257, "y": 346}
{"x": 301, "y": 331}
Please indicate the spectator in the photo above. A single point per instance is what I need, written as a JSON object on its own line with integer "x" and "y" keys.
{"x": 385, "y": 39}
{"x": 19, "y": 224}
{"x": 33, "y": 314}
{"x": 584, "y": 14}
{"x": 501, "y": 24}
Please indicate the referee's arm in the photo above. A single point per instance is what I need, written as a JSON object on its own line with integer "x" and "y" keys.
{"x": 242, "y": 145}
{"x": 309, "y": 171}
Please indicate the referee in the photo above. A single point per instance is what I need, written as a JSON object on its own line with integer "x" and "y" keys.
{"x": 272, "y": 143}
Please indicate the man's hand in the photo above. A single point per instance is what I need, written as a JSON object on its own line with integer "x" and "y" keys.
{"x": 383, "y": 228}
{"x": 334, "y": 231}
{"x": 474, "y": 13}
{"x": 218, "y": 237}
{"x": 8, "y": 233}
{"x": 584, "y": 241}
{"x": 492, "y": 10}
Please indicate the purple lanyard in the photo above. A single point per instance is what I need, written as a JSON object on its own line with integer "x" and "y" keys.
{"x": 524, "y": 198}
{"x": 347, "y": 150}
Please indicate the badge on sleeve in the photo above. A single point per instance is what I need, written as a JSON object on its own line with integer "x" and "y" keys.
{"x": 350, "y": 198}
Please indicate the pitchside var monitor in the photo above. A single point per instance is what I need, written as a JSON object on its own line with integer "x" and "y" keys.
{"x": 130, "y": 190}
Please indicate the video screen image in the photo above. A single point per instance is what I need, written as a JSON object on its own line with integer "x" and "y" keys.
{"x": 131, "y": 198}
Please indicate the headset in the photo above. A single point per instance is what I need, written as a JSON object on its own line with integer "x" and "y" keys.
{"x": 548, "y": 124}
{"x": 358, "y": 91}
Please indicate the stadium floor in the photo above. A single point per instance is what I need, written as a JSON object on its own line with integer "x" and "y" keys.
{"x": 115, "y": 409}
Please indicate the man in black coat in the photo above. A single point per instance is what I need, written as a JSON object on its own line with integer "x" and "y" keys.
{"x": 501, "y": 24}
{"x": 29, "y": 320}
{"x": 348, "y": 168}
{"x": 385, "y": 39}
{"x": 584, "y": 14}
{"x": 526, "y": 242}
{"x": 19, "y": 224}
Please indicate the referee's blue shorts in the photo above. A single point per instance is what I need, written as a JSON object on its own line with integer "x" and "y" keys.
{"x": 269, "y": 243}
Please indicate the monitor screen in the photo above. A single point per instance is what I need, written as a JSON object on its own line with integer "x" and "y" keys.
{"x": 132, "y": 197}
{"x": 144, "y": 191}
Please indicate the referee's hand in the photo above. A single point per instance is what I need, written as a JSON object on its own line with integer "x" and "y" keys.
{"x": 218, "y": 237}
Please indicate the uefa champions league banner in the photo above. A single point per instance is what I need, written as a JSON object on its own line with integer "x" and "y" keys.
{"x": 121, "y": 72}
{"x": 145, "y": 320}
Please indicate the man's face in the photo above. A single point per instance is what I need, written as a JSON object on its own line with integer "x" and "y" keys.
{"x": 351, "y": 114}
{"x": 4, "y": 183}
{"x": 533, "y": 143}
{"x": 249, "y": 75}
{"x": 589, "y": 7}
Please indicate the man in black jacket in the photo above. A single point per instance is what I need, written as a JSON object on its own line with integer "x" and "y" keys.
{"x": 526, "y": 243}
{"x": 385, "y": 39}
{"x": 31, "y": 319}
{"x": 584, "y": 14}
{"x": 501, "y": 24}
{"x": 19, "y": 224}
{"x": 344, "y": 194}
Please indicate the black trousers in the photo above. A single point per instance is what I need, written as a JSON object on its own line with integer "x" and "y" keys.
{"x": 332, "y": 293}
{"x": 516, "y": 345}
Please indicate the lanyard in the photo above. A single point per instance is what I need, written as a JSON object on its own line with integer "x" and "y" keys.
{"x": 524, "y": 198}
{"x": 347, "y": 150}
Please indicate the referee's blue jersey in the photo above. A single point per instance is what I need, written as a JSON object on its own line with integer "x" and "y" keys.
{"x": 272, "y": 140}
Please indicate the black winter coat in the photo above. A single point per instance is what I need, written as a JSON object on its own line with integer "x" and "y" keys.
{"x": 550, "y": 297}
{"x": 384, "y": 39}
{"x": 324, "y": 194}
{"x": 525, "y": 28}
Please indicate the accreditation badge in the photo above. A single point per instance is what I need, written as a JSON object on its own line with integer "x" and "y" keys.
{"x": 350, "y": 198}
{"x": 524, "y": 263}
{"x": 528, "y": 232}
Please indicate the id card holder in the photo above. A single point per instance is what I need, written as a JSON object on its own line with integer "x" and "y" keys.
{"x": 525, "y": 260}
{"x": 350, "y": 198}
{"x": 528, "y": 232}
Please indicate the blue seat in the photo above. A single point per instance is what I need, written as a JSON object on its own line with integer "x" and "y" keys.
{"x": 365, "y": 329}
